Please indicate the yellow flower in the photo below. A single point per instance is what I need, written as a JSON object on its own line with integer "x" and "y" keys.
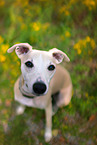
{"x": 36, "y": 26}
{"x": 67, "y": 13}
{"x": 4, "y": 48}
{"x": 2, "y": 58}
{"x": 77, "y": 46}
{"x": 1, "y": 40}
{"x": 79, "y": 51}
{"x": 25, "y": 3}
{"x": 84, "y": 43}
{"x": 88, "y": 39}
{"x": 63, "y": 8}
{"x": 67, "y": 34}
{"x": 93, "y": 44}
{"x": 90, "y": 4}
{"x": 2, "y": 3}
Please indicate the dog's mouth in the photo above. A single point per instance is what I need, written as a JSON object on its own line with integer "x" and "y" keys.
{"x": 30, "y": 95}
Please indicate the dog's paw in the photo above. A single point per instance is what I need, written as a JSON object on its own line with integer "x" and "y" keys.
{"x": 20, "y": 110}
{"x": 48, "y": 135}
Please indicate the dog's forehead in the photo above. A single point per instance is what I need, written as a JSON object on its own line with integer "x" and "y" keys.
{"x": 38, "y": 55}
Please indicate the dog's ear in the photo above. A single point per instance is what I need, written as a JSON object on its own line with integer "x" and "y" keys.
{"x": 58, "y": 55}
{"x": 20, "y": 49}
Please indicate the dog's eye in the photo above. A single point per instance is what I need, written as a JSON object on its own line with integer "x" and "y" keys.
{"x": 29, "y": 64}
{"x": 51, "y": 67}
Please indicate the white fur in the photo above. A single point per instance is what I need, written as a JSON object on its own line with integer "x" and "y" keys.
{"x": 20, "y": 109}
{"x": 48, "y": 134}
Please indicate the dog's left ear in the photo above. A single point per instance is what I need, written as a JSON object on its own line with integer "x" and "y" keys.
{"x": 20, "y": 49}
{"x": 58, "y": 55}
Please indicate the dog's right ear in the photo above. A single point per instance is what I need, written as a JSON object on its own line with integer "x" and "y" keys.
{"x": 20, "y": 49}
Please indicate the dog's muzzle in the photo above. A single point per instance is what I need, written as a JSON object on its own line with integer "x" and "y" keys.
{"x": 39, "y": 88}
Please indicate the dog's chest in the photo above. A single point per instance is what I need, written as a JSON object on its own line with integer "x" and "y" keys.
{"x": 36, "y": 102}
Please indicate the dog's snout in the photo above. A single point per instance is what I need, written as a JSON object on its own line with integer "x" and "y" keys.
{"x": 39, "y": 88}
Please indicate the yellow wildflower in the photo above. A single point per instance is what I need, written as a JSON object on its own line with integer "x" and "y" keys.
{"x": 67, "y": 13}
{"x": 88, "y": 39}
{"x": 12, "y": 81}
{"x": 36, "y": 26}
{"x": 90, "y": 4}
{"x": 79, "y": 51}
{"x": 67, "y": 34}
{"x": 2, "y": 3}
{"x": 63, "y": 9}
{"x": 4, "y": 48}
{"x": 84, "y": 43}
{"x": 93, "y": 44}
{"x": 77, "y": 46}
{"x": 25, "y": 3}
{"x": 1, "y": 40}
{"x": 2, "y": 58}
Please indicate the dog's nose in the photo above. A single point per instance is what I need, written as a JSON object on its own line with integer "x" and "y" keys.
{"x": 39, "y": 88}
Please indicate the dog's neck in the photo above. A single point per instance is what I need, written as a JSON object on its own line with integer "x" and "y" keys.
{"x": 23, "y": 92}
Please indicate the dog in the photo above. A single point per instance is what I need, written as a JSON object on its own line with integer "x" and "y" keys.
{"x": 43, "y": 82}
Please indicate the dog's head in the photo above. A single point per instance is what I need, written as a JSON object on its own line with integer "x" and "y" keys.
{"x": 37, "y": 67}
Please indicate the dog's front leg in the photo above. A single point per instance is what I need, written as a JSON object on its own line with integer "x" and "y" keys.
{"x": 48, "y": 129}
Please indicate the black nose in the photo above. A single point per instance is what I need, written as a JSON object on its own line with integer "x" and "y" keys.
{"x": 39, "y": 88}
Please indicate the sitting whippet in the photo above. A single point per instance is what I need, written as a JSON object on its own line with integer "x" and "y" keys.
{"x": 43, "y": 84}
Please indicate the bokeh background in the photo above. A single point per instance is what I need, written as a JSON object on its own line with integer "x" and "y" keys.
{"x": 71, "y": 26}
